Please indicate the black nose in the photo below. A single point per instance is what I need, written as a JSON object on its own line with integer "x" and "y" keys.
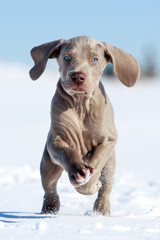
{"x": 78, "y": 77}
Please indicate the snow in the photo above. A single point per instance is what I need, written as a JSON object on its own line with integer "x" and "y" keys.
{"x": 135, "y": 199}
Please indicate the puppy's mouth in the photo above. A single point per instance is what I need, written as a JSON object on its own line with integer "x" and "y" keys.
{"x": 72, "y": 88}
{"x": 78, "y": 88}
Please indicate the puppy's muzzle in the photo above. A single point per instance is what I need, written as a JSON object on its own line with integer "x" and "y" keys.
{"x": 78, "y": 78}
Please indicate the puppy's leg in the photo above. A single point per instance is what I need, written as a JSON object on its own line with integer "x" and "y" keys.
{"x": 50, "y": 173}
{"x": 101, "y": 157}
{"x": 102, "y": 204}
{"x": 71, "y": 161}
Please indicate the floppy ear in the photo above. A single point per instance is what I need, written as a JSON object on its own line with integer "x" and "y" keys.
{"x": 41, "y": 54}
{"x": 125, "y": 66}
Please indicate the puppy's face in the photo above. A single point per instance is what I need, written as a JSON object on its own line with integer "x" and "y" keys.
{"x": 81, "y": 63}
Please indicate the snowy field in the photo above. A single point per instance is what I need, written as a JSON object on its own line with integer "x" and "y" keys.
{"x": 135, "y": 199}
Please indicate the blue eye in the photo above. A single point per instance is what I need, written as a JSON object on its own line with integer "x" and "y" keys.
{"x": 94, "y": 60}
{"x": 67, "y": 58}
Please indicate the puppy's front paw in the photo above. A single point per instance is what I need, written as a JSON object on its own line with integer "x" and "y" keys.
{"x": 79, "y": 174}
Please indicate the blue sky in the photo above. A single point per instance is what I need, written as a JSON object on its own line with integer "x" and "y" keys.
{"x": 133, "y": 25}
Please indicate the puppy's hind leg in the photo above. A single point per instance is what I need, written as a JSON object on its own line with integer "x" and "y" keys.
{"x": 102, "y": 204}
{"x": 50, "y": 173}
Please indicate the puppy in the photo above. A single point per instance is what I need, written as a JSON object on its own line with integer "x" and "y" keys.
{"x": 82, "y": 134}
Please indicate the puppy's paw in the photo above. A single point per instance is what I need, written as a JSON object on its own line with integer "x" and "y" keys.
{"x": 80, "y": 174}
{"x": 102, "y": 206}
{"x": 51, "y": 205}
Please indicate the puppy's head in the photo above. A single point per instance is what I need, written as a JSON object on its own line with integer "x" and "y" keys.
{"x": 81, "y": 62}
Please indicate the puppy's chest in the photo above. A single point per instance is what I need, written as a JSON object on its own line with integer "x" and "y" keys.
{"x": 87, "y": 132}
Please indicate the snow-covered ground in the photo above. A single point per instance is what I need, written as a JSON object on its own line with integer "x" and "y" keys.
{"x": 24, "y": 112}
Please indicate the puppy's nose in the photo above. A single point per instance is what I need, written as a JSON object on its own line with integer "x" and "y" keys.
{"x": 78, "y": 77}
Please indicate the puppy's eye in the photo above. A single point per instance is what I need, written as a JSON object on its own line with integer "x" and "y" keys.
{"x": 67, "y": 58}
{"x": 94, "y": 60}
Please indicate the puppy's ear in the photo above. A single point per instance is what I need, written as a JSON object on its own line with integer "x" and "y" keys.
{"x": 125, "y": 66}
{"x": 41, "y": 54}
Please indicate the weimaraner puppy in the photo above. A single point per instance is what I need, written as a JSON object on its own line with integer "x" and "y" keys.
{"x": 82, "y": 135}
